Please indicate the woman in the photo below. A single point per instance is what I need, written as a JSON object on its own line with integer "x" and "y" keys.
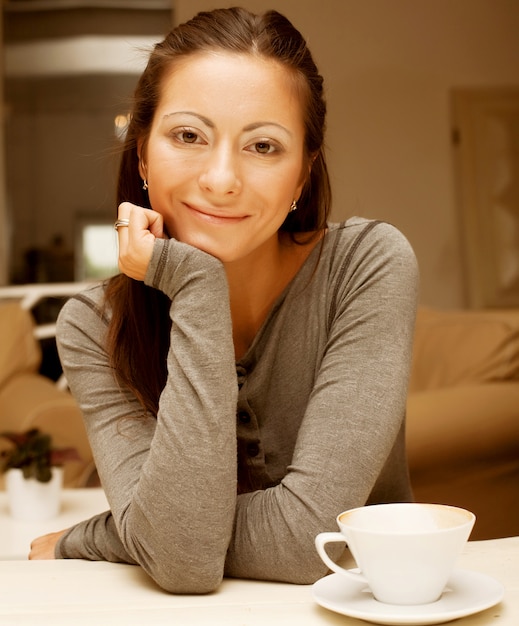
{"x": 244, "y": 379}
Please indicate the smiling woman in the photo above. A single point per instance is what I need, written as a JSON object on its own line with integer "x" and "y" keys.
{"x": 244, "y": 378}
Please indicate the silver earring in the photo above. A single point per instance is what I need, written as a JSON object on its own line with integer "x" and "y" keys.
{"x": 145, "y": 185}
{"x": 293, "y": 206}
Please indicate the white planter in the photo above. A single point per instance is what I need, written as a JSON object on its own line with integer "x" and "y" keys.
{"x": 30, "y": 500}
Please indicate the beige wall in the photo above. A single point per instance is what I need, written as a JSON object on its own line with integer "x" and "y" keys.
{"x": 389, "y": 66}
{"x": 4, "y": 232}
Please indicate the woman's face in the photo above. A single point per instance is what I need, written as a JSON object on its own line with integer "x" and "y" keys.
{"x": 225, "y": 156}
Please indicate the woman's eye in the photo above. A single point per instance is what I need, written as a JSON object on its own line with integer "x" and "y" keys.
{"x": 188, "y": 136}
{"x": 263, "y": 147}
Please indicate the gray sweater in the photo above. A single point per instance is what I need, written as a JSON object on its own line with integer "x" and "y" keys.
{"x": 314, "y": 413}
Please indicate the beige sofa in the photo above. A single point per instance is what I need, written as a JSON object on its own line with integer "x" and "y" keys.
{"x": 28, "y": 399}
{"x": 463, "y": 415}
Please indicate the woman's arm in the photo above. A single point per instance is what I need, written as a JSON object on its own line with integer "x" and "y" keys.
{"x": 350, "y": 445}
{"x": 170, "y": 481}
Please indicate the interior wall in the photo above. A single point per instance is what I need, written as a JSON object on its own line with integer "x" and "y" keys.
{"x": 389, "y": 67}
{"x": 4, "y": 236}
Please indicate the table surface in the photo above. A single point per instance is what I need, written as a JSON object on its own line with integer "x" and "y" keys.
{"x": 76, "y": 505}
{"x": 81, "y": 592}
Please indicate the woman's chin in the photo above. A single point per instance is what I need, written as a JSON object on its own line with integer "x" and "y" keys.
{"x": 224, "y": 253}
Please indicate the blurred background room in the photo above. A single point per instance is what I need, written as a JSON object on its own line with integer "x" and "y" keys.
{"x": 423, "y": 128}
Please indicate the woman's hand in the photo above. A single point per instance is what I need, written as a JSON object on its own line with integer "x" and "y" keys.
{"x": 136, "y": 240}
{"x": 43, "y": 547}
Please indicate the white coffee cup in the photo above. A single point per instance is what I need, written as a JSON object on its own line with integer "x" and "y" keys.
{"x": 405, "y": 551}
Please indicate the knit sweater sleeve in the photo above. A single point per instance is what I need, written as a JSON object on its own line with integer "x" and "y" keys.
{"x": 170, "y": 481}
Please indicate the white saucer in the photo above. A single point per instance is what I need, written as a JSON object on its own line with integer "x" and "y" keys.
{"x": 467, "y": 592}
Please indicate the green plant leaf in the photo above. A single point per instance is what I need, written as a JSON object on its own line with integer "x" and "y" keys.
{"x": 32, "y": 452}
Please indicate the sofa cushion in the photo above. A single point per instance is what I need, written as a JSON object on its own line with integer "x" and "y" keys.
{"x": 463, "y": 427}
{"x": 19, "y": 350}
{"x": 33, "y": 401}
{"x": 463, "y": 449}
{"x": 464, "y": 347}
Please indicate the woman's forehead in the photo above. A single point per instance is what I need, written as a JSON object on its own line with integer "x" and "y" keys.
{"x": 245, "y": 83}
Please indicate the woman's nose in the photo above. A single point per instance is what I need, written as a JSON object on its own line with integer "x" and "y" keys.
{"x": 220, "y": 172}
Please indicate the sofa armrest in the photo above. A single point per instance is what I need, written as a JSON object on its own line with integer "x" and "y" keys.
{"x": 33, "y": 401}
{"x": 463, "y": 449}
{"x": 454, "y": 348}
{"x": 20, "y": 351}
{"x": 455, "y": 426}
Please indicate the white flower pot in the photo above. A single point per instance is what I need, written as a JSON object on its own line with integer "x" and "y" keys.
{"x": 30, "y": 500}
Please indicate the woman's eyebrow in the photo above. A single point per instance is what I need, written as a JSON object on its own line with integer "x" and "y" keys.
{"x": 249, "y": 127}
{"x": 256, "y": 125}
{"x": 202, "y": 118}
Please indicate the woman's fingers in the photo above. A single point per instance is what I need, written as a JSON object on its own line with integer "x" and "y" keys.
{"x": 44, "y": 547}
{"x": 137, "y": 230}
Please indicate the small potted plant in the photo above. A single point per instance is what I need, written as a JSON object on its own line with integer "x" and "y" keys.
{"x": 34, "y": 474}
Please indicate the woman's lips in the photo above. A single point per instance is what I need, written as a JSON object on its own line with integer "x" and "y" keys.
{"x": 214, "y": 217}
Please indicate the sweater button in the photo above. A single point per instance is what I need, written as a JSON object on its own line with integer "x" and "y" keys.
{"x": 243, "y": 417}
{"x": 252, "y": 449}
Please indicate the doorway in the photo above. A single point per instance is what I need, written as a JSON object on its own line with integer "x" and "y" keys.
{"x": 486, "y": 151}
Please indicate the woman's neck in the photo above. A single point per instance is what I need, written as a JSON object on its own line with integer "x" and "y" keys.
{"x": 256, "y": 282}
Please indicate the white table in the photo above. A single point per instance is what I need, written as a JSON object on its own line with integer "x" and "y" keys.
{"x": 76, "y": 505}
{"x": 85, "y": 593}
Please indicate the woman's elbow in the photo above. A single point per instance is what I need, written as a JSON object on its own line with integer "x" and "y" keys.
{"x": 188, "y": 580}
{"x": 191, "y": 564}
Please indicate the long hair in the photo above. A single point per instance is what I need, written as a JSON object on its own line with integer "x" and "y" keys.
{"x": 138, "y": 336}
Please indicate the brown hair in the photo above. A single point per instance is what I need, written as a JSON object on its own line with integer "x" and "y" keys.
{"x": 138, "y": 338}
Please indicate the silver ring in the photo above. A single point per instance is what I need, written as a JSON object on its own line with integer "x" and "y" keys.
{"x": 121, "y": 222}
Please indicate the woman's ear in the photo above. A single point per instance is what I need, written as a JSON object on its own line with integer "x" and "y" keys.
{"x": 305, "y": 175}
{"x": 311, "y": 162}
{"x": 141, "y": 150}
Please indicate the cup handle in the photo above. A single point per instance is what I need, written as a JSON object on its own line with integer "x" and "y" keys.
{"x": 320, "y": 541}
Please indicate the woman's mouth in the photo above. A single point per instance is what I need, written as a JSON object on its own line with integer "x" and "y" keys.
{"x": 215, "y": 216}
